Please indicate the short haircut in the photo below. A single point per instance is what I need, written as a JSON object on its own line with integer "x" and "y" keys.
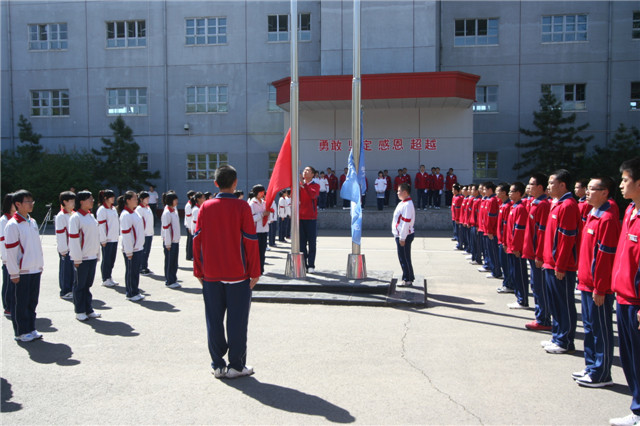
{"x": 490, "y": 185}
{"x": 82, "y": 195}
{"x": 405, "y": 187}
{"x": 632, "y": 167}
{"x": 238, "y": 193}
{"x": 20, "y": 195}
{"x": 400, "y": 170}
{"x": 225, "y": 176}
{"x": 169, "y": 197}
{"x": 314, "y": 171}
{"x": 503, "y": 187}
{"x": 66, "y": 196}
{"x": 7, "y": 202}
{"x": 256, "y": 190}
{"x": 583, "y": 182}
{"x": 457, "y": 186}
{"x": 190, "y": 193}
{"x": 519, "y": 187}
{"x": 606, "y": 183}
{"x": 541, "y": 179}
{"x": 142, "y": 195}
{"x": 563, "y": 175}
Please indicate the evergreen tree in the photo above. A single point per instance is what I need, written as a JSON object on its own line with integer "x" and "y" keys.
{"x": 557, "y": 144}
{"x": 119, "y": 167}
{"x": 30, "y": 140}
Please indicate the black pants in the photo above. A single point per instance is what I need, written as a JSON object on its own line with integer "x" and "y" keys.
{"x": 82, "y": 298}
{"x": 23, "y": 313}
{"x": 262, "y": 245}
{"x": 404, "y": 256}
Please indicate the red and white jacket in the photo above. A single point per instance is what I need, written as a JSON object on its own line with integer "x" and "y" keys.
{"x": 309, "y": 193}
{"x": 503, "y": 215}
{"x": 404, "y": 217}
{"x": 536, "y": 225}
{"x": 24, "y": 250}
{"x": 598, "y": 242}
{"x": 132, "y": 230}
{"x": 516, "y": 225}
{"x": 147, "y": 219}
{"x": 3, "y": 224}
{"x": 109, "y": 226}
{"x": 170, "y": 221}
{"x": 84, "y": 237}
{"x": 561, "y": 236}
{"x": 225, "y": 245}
{"x": 62, "y": 231}
{"x": 626, "y": 268}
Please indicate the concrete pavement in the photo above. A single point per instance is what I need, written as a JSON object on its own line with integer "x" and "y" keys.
{"x": 466, "y": 359}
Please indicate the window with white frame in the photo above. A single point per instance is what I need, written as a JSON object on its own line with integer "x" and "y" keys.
{"x": 635, "y": 28}
{"x": 203, "y": 166}
{"x": 564, "y": 28}
{"x": 49, "y": 103}
{"x": 486, "y": 99}
{"x": 278, "y": 27}
{"x": 634, "y": 103}
{"x": 127, "y": 101}
{"x": 143, "y": 161}
{"x": 476, "y": 32}
{"x": 207, "y": 99}
{"x": 485, "y": 165}
{"x": 272, "y": 105}
{"x": 127, "y": 33}
{"x": 48, "y": 36}
{"x": 572, "y": 96}
{"x": 273, "y": 157}
{"x": 206, "y": 31}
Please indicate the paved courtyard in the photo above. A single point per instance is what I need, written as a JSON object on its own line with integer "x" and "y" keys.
{"x": 466, "y": 359}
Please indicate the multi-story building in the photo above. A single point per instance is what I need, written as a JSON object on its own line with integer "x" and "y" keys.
{"x": 195, "y": 79}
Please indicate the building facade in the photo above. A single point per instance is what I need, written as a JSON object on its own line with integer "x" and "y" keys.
{"x": 194, "y": 79}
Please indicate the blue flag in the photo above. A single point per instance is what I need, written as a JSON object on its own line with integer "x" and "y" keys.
{"x": 352, "y": 188}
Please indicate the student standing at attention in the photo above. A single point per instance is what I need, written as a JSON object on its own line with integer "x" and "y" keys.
{"x": 132, "y": 230}
{"x": 146, "y": 214}
{"x": 84, "y": 247}
{"x": 24, "y": 264}
{"x": 8, "y": 290}
{"x": 109, "y": 227}
{"x": 170, "y": 234}
{"x": 404, "y": 218}
{"x": 66, "y": 275}
{"x": 188, "y": 218}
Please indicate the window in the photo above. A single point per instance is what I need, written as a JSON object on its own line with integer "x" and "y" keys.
{"x": 635, "y": 30}
{"x": 476, "y": 32}
{"x": 279, "y": 27}
{"x": 564, "y": 28}
{"x": 485, "y": 165}
{"x": 572, "y": 96}
{"x": 207, "y": 99}
{"x": 272, "y": 106}
{"x": 127, "y": 101}
{"x": 206, "y": 31}
{"x": 47, "y": 103}
{"x": 47, "y": 36}
{"x": 126, "y": 34}
{"x": 143, "y": 161}
{"x": 634, "y": 104}
{"x": 273, "y": 157}
{"x": 203, "y": 166}
{"x": 486, "y": 99}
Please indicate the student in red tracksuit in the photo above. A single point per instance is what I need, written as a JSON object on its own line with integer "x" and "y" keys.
{"x": 534, "y": 250}
{"x": 516, "y": 224}
{"x": 580, "y": 190}
{"x": 560, "y": 262}
{"x": 309, "y": 193}
{"x": 502, "y": 192}
{"x": 438, "y": 188}
{"x": 626, "y": 284}
{"x": 456, "y": 203}
{"x": 343, "y": 177}
{"x": 598, "y": 243}
{"x": 449, "y": 180}
{"x": 421, "y": 188}
{"x": 492, "y": 207}
{"x": 227, "y": 263}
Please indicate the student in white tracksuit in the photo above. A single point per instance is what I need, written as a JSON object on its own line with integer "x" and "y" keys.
{"x": 259, "y": 211}
{"x": 132, "y": 230}
{"x": 84, "y": 249}
{"x": 188, "y": 218}
{"x": 66, "y": 274}
{"x": 170, "y": 235}
{"x": 109, "y": 228}
{"x": 24, "y": 264}
{"x": 8, "y": 290}
{"x": 403, "y": 231}
{"x": 146, "y": 213}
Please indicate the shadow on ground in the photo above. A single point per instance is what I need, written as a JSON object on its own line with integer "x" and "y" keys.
{"x": 7, "y": 393}
{"x": 290, "y": 400}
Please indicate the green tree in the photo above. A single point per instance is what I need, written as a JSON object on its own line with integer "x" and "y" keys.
{"x": 30, "y": 141}
{"x": 557, "y": 142}
{"x": 119, "y": 166}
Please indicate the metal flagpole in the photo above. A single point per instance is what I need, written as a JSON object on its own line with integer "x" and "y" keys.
{"x": 295, "y": 267}
{"x": 356, "y": 267}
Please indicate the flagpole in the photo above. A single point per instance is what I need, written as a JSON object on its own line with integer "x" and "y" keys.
{"x": 356, "y": 267}
{"x": 295, "y": 267}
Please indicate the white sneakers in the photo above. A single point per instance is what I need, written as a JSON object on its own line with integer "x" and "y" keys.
{"x": 630, "y": 420}
{"x": 232, "y": 373}
{"x": 28, "y": 337}
{"x": 136, "y": 298}
{"x": 82, "y": 317}
{"x": 174, "y": 285}
{"x": 109, "y": 283}
{"x": 516, "y": 305}
{"x": 67, "y": 296}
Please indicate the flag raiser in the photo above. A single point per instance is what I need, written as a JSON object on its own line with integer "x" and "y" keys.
{"x": 281, "y": 176}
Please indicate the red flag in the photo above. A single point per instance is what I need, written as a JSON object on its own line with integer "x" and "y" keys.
{"x": 281, "y": 176}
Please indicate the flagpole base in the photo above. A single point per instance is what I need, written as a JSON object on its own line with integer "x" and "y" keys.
{"x": 295, "y": 267}
{"x": 356, "y": 267}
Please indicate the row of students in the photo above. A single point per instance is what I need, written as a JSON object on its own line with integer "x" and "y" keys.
{"x": 565, "y": 242}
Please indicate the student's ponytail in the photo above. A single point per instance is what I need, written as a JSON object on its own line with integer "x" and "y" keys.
{"x": 120, "y": 203}
{"x": 168, "y": 198}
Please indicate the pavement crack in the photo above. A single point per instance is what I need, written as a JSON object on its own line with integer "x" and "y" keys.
{"x": 425, "y": 375}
